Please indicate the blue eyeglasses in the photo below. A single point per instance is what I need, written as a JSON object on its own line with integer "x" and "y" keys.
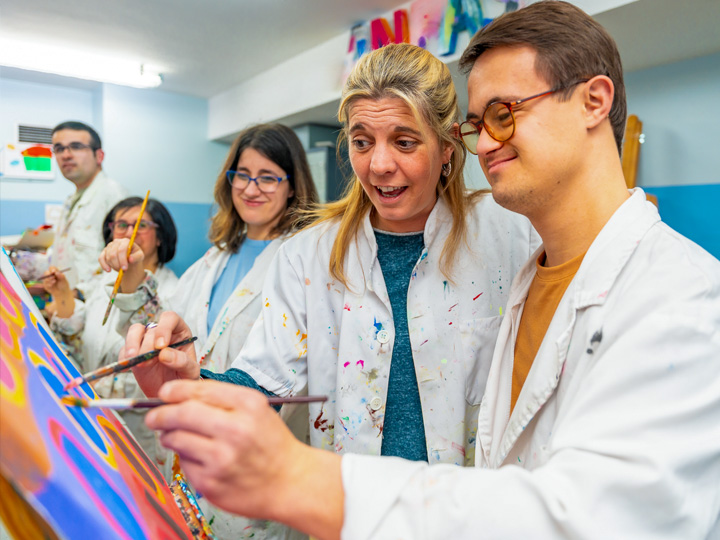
{"x": 266, "y": 183}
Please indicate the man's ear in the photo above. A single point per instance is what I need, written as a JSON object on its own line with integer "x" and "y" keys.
{"x": 99, "y": 156}
{"x": 598, "y": 95}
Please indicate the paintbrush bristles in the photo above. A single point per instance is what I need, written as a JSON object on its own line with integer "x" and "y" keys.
{"x": 130, "y": 245}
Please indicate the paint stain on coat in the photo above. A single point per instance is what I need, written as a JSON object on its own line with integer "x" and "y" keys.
{"x": 595, "y": 341}
{"x": 320, "y": 422}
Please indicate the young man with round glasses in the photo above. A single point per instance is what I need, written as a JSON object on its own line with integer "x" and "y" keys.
{"x": 78, "y": 234}
{"x": 600, "y": 416}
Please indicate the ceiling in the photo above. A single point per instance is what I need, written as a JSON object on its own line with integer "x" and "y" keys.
{"x": 201, "y": 47}
{"x": 204, "y": 47}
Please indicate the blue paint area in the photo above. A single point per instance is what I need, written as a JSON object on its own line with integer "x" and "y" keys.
{"x": 60, "y": 354}
{"x": 192, "y": 222}
{"x": 111, "y": 499}
{"x": 77, "y": 413}
{"x": 378, "y": 325}
{"x": 693, "y": 211}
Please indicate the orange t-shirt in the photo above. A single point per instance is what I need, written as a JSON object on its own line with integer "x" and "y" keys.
{"x": 544, "y": 295}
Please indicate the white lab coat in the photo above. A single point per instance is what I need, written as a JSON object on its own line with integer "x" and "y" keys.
{"x": 216, "y": 351}
{"x": 616, "y": 432}
{"x": 317, "y": 336}
{"x": 78, "y": 235}
{"x": 191, "y": 300}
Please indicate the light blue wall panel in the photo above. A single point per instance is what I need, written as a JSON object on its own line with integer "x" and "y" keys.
{"x": 680, "y": 110}
{"x": 192, "y": 222}
{"x": 693, "y": 211}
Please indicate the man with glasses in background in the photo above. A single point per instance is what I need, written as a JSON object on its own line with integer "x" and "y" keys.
{"x": 78, "y": 234}
{"x": 601, "y": 415}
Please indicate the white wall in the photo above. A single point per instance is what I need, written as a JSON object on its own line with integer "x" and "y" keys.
{"x": 680, "y": 110}
{"x": 152, "y": 139}
{"x": 41, "y": 105}
{"x": 157, "y": 140}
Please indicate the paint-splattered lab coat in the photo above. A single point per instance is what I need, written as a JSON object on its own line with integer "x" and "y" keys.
{"x": 319, "y": 337}
{"x": 616, "y": 433}
{"x": 78, "y": 235}
{"x": 217, "y": 350}
{"x": 191, "y": 300}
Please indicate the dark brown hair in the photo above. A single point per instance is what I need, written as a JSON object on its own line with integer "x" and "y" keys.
{"x": 280, "y": 145}
{"x": 570, "y": 46}
{"x": 95, "y": 142}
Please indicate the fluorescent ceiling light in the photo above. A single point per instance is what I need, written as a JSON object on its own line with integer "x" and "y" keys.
{"x": 73, "y": 63}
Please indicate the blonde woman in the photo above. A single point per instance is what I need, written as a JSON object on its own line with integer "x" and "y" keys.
{"x": 391, "y": 304}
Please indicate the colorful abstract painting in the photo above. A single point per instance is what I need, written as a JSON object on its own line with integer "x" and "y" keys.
{"x": 74, "y": 473}
{"x": 27, "y": 161}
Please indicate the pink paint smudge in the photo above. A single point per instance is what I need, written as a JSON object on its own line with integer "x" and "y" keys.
{"x": 346, "y": 364}
{"x": 360, "y": 363}
{"x": 347, "y": 307}
{"x": 459, "y": 448}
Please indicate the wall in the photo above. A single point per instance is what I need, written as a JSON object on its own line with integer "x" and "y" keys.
{"x": 678, "y": 106}
{"x": 680, "y": 161}
{"x": 165, "y": 137}
{"x": 152, "y": 139}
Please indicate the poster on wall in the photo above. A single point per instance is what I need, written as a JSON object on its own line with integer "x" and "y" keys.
{"x": 27, "y": 161}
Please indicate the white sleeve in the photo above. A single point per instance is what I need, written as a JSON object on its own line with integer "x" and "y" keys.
{"x": 275, "y": 351}
{"x": 88, "y": 243}
{"x": 140, "y": 306}
{"x": 634, "y": 454}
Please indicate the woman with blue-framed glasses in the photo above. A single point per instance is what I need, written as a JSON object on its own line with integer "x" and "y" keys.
{"x": 262, "y": 194}
{"x": 264, "y": 185}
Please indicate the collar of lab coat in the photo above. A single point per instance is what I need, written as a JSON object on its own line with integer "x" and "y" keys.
{"x": 91, "y": 191}
{"x": 607, "y": 256}
{"x": 245, "y": 291}
{"x": 367, "y": 247}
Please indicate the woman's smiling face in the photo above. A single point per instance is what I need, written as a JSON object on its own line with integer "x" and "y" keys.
{"x": 397, "y": 160}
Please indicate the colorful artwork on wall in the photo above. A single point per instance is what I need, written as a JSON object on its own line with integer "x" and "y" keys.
{"x": 27, "y": 161}
{"x": 434, "y": 25}
{"x": 70, "y": 473}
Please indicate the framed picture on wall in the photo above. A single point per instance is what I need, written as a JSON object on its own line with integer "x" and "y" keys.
{"x": 27, "y": 161}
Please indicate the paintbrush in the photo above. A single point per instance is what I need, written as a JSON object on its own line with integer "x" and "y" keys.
{"x": 121, "y": 365}
{"x": 45, "y": 276}
{"x": 130, "y": 245}
{"x": 147, "y": 403}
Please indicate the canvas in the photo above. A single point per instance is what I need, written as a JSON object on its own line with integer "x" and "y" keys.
{"x": 67, "y": 472}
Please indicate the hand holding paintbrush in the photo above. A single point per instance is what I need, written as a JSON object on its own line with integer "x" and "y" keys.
{"x": 120, "y": 272}
{"x": 122, "y": 365}
{"x": 172, "y": 363}
{"x": 63, "y": 299}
